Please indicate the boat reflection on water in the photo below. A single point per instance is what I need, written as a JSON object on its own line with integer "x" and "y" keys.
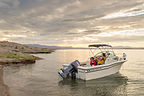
{"x": 114, "y": 85}
{"x": 4, "y": 90}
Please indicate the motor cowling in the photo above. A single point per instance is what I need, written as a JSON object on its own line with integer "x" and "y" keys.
{"x": 71, "y": 69}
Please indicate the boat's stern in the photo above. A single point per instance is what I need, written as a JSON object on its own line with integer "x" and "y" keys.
{"x": 69, "y": 69}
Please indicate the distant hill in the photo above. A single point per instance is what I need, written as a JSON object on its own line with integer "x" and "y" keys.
{"x": 22, "y": 48}
{"x": 51, "y": 47}
{"x": 127, "y": 47}
{"x": 59, "y": 47}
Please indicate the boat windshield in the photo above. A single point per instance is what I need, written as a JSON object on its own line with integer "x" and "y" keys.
{"x": 99, "y": 54}
{"x": 108, "y": 54}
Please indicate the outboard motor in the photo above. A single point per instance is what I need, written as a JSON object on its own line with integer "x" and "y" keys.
{"x": 71, "y": 69}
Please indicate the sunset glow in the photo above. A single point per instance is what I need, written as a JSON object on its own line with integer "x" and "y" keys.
{"x": 72, "y": 23}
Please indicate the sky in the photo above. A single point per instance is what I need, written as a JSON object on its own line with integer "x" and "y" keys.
{"x": 76, "y": 23}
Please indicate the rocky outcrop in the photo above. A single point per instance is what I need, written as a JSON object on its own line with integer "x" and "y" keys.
{"x": 23, "y": 48}
{"x": 14, "y": 53}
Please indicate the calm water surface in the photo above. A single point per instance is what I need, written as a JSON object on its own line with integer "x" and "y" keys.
{"x": 41, "y": 78}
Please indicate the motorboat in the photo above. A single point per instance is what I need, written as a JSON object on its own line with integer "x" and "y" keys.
{"x": 87, "y": 71}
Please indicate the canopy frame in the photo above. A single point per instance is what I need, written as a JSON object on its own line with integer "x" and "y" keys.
{"x": 101, "y": 47}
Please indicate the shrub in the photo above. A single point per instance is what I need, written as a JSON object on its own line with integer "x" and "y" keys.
{"x": 13, "y": 55}
{"x": 44, "y": 49}
{"x": 1, "y": 55}
{"x": 17, "y": 56}
{"x": 3, "y": 45}
{"x": 16, "y": 47}
{"x": 22, "y": 48}
{"x": 29, "y": 57}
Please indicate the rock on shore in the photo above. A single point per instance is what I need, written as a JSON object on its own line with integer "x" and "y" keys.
{"x": 23, "y": 48}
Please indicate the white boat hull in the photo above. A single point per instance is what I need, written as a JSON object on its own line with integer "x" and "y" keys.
{"x": 111, "y": 65}
{"x": 89, "y": 73}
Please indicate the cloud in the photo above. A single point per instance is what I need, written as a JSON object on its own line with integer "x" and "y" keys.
{"x": 124, "y": 14}
{"x": 72, "y": 21}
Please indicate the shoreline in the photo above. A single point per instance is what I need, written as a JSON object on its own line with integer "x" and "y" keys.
{"x": 9, "y": 61}
{"x": 39, "y": 52}
{"x": 21, "y": 58}
{"x": 6, "y": 61}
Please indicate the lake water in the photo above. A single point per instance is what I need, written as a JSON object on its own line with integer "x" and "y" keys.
{"x": 41, "y": 78}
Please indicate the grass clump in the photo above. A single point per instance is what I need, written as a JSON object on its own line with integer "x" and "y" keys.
{"x": 29, "y": 57}
{"x": 22, "y": 48}
{"x": 17, "y": 56}
{"x": 13, "y": 55}
{"x": 16, "y": 47}
{"x": 3, "y": 45}
{"x": 2, "y": 55}
{"x": 44, "y": 49}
